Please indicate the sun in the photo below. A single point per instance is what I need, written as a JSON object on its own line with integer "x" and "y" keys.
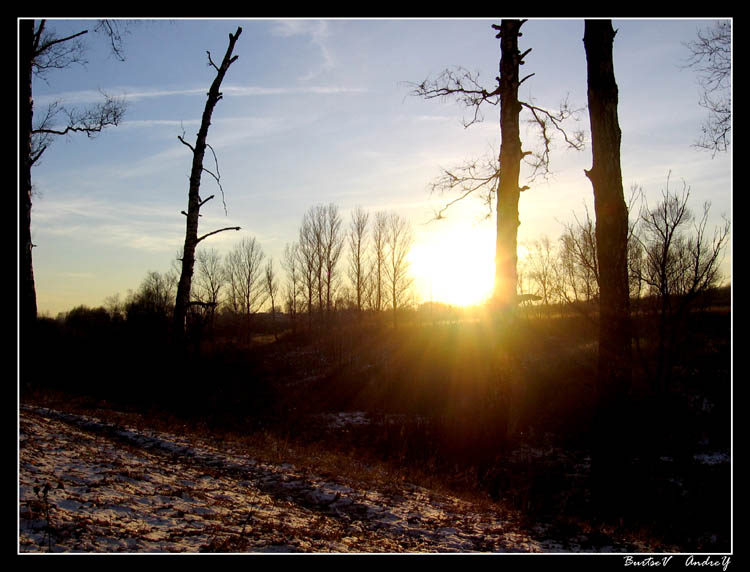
{"x": 456, "y": 266}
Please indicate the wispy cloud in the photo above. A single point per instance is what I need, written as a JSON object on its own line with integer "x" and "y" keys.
{"x": 310, "y": 89}
{"x": 87, "y": 97}
{"x": 139, "y": 227}
{"x": 318, "y": 33}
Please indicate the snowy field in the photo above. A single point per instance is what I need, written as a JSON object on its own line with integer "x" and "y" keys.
{"x": 90, "y": 486}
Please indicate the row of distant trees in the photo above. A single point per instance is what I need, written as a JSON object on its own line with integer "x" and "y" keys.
{"x": 672, "y": 254}
{"x": 674, "y": 263}
{"x": 358, "y": 265}
{"x": 375, "y": 265}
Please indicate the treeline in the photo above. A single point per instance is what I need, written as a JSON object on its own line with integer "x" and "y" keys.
{"x": 356, "y": 266}
{"x": 671, "y": 255}
{"x": 674, "y": 269}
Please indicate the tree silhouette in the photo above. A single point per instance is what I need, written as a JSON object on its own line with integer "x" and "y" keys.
{"x": 292, "y": 265}
{"x": 508, "y": 190}
{"x": 309, "y": 249}
{"x": 377, "y": 271}
{"x": 357, "y": 239}
{"x": 272, "y": 286}
{"x": 398, "y": 242}
{"x": 677, "y": 267}
{"x": 41, "y": 50}
{"x": 499, "y": 178}
{"x": 711, "y": 57}
{"x": 609, "y": 206}
{"x": 247, "y": 287}
{"x": 333, "y": 244}
{"x": 194, "y": 199}
{"x": 615, "y": 354}
{"x": 209, "y": 282}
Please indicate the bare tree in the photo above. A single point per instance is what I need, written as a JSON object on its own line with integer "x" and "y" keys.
{"x": 318, "y": 224}
{"x": 209, "y": 278}
{"x": 541, "y": 266}
{"x": 292, "y": 265}
{"x": 244, "y": 270}
{"x": 508, "y": 189}
{"x": 680, "y": 262}
{"x": 272, "y": 286}
{"x": 610, "y": 209}
{"x": 195, "y": 202}
{"x": 578, "y": 282}
{"x": 320, "y": 244}
{"x": 115, "y": 307}
{"x": 377, "y": 272}
{"x": 357, "y": 239}
{"x": 711, "y": 57}
{"x": 309, "y": 256}
{"x": 500, "y": 178}
{"x": 41, "y": 50}
{"x": 154, "y": 296}
{"x": 332, "y": 245}
{"x": 398, "y": 241}
{"x": 615, "y": 337}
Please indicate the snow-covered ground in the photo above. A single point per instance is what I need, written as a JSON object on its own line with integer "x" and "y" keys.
{"x": 90, "y": 486}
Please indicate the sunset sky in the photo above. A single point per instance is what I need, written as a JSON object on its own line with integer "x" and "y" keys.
{"x": 321, "y": 111}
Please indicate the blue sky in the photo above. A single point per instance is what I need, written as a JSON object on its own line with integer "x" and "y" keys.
{"x": 320, "y": 111}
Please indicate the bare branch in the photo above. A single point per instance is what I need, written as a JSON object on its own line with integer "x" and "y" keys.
{"x": 211, "y": 62}
{"x": 188, "y": 145}
{"x": 711, "y": 57}
{"x": 51, "y": 52}
{"x": 464, "y": 86}
{"x": 469, "y": 179}
{"x": 461, "y": 84}
{"x": 202, "y": 304}
{"x": 115, "y": 34}
{"x": 90, "y": 121}
{"x": 217, "y": 178}
{"x": 200, "y": 238}
{"x": 204, "y": 201}
{"x": 526, "y": 77}
{"x": 548, "y": 123}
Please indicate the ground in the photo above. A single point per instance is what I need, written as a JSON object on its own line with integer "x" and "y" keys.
{"x": 88, "y": 485}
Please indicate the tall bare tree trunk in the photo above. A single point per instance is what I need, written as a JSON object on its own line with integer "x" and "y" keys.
{"x": 610, "y": 208}
{"x": 41, "y": 49}
{"x": 27, "y": 289}
{"x": 194, "y": 200}
{"x": 508, "y": 192}
{"x": 614, "y": 368}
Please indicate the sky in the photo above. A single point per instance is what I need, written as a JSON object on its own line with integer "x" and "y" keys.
{"x": 322, "y": 111}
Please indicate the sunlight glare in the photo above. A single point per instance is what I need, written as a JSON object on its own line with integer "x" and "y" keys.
{"x": 456, "y": 267}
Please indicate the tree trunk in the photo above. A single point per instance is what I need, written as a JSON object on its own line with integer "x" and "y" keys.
{"x": 614, "y": 367}
{"x": 508, "y": 192}
{"x": 610, "y": 208}
{"x": 27, "y": 298}
{"x": 194, "y": 201}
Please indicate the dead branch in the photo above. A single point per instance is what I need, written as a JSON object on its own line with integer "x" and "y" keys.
{"x": 461, "y": 84}
{"x": 548, "y": 123}
{"x": 217, "y": 178}
{"x": 200, "y": 238}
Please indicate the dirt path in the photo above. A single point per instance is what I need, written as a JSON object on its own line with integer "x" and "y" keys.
{"x": 89, "y": 486}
